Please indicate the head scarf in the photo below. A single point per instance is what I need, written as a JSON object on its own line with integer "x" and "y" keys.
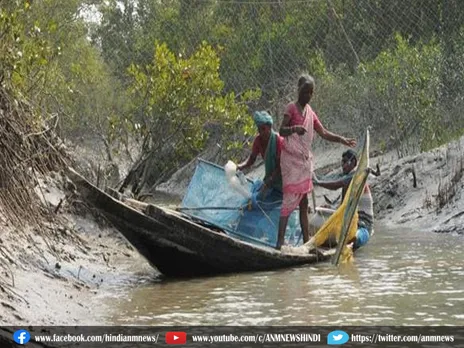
{"x": 262, "y": 117}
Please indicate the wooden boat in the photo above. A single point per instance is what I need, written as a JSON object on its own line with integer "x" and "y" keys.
{"x": 180, "y": 246}
{"x": 196, "y": 241}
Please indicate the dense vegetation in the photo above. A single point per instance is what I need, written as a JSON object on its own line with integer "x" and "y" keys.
{"x": 175, "y": 74}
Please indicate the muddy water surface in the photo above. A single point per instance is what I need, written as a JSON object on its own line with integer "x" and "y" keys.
{"x": 400, "y": 278}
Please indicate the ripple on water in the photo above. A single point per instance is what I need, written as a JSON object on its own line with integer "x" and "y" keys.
{"x": 400, "y": 278}
{"x": 448, "y": 292}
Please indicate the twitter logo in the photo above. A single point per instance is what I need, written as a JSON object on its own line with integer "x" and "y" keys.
{"x": 337, "y": 337}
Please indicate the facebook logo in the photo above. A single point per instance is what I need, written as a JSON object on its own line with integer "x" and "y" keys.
{"x": 21, "y": 336}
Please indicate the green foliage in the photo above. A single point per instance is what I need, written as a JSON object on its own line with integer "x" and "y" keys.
{"x": 177, "y": 99}
{"x": 407, "y": 79}
{"x": 24, "y": 51}
{"x": 371, "y": 59}
{"x": 397, "y": 93}
{"x": 46, "y": 58}
{"x": 87, "y": 93}
{"x": 394, "y": 65}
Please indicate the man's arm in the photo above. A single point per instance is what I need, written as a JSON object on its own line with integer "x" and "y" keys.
{"x": 339, "y": 183}
{"x": 331, "y": 185}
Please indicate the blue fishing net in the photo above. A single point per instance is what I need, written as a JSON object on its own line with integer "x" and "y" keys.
{"x": 211, "y": 199}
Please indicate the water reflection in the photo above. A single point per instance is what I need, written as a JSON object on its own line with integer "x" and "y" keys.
{"x": 400, "y": 278}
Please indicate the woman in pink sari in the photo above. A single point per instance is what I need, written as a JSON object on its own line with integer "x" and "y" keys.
{"x": 296, "y": 160}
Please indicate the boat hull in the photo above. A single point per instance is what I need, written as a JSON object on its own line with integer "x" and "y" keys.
{"x": 179, "y": 247}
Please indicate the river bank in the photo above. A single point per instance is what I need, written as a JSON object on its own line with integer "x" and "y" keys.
{"x": 55, "y": 271}
{"x": 57, "y": 274}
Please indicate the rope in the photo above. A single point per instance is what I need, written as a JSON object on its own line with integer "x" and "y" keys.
{"x": 267, "y": 216}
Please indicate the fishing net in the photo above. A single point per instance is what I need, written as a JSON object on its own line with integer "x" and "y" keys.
{"x": 218, "y": 197}
{"x": 212, "y": 199}
{"x": 332, "y": 229}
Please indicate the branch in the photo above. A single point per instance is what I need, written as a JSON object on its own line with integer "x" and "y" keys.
{"x": 46, "y": 129}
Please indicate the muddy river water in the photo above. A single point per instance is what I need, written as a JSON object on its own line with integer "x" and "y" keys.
{"x": 400, "y": 278}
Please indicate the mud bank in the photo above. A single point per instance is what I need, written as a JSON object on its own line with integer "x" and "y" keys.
{"x": 424, "y": 192}
{"x": 56, "y": 274}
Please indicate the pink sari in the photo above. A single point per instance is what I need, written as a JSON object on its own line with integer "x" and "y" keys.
{"x": 296, "y": 160}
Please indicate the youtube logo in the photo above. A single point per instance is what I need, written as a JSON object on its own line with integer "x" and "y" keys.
{"x": 175, "y": 337}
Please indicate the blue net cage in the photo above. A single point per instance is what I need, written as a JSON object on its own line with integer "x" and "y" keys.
{"x": 211, "y": 199}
